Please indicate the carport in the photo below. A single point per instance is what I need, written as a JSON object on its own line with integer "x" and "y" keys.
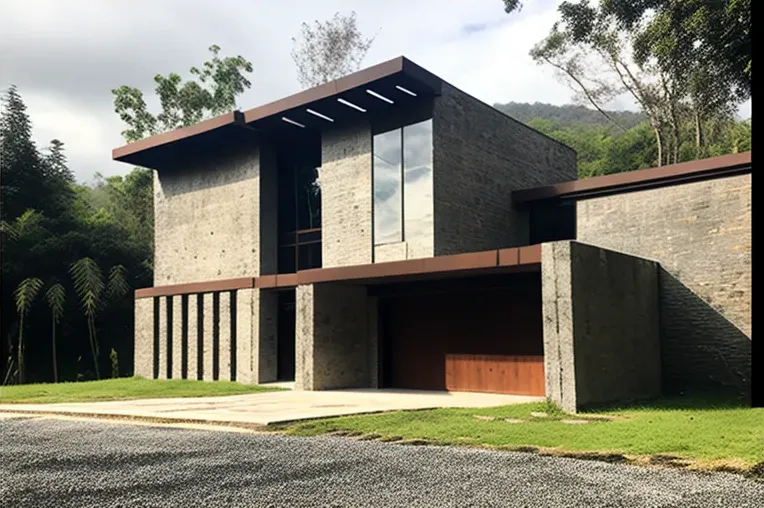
{"x": 467, "y": 322}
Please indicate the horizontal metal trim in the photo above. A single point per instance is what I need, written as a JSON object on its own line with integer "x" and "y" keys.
{"x": 674, "y": 174}
{"x": 196, "y": 287}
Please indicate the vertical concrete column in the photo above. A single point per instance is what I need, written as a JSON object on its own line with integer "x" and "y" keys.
{"x": 265, "y": 333}
{"x": 177, "y": 337}
{"x": 143, "y": 356}
{"x": 304, "y": 345}
{"x": 557, "y": 312}
{"x": 332, "y": 342}
{"x": 162, "y": 352}
{"x": 209, "y": 319}
{"x": 245, "y": 300}
{"x": 193, "y": 331}
{"x": 224, "y": 372}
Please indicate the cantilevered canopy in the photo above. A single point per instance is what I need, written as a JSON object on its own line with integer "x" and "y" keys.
{"x": 366, "y": 94}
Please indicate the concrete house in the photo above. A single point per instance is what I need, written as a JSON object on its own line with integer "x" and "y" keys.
{"x": 389, "y": 230}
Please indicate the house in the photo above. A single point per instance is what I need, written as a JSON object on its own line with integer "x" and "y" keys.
{"x": 389, "y": 230}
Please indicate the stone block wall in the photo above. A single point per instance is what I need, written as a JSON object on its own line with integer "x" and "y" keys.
{"x": 700, "y": 233}
{"x": 601, "y": 325}
{"x": 332, "y": 334}
{"x": 480, "y": 156}
{"x": 346, "y": 201}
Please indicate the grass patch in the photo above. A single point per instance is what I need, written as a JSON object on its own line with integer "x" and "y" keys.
{"x": 122, "y": 389}
{"x": 675, "y": 431}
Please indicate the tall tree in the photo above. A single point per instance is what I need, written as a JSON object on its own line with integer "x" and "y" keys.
{"x": 56, "y": 296}
{"x": 184, "y": 103}
{"x": 328, "y": 50}
{"x": 658, "y": 57}
{"x": 25, "y": 295}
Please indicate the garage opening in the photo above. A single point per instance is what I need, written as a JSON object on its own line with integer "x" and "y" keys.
{"x": 480, "y": 334}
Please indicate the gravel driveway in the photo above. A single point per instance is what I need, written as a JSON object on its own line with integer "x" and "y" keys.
{"x": 59, "y": 463}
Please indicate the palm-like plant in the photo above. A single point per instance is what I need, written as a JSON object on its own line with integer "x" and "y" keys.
{"x": 118, "y": 286}
{"x": 24, "y": 295}
{"x": 56, "y": 297}
{"x": 89, "y": 286}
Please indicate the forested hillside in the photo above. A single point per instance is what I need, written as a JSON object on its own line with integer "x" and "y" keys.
{"x": 603, "y": 148}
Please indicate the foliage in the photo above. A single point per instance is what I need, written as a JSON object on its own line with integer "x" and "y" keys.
{"x": 89, "y": 286}
{"x": 664, "y": 54}
{"x": 569, "y": 114}
{"x": 114, "y": 357}
{"x": 328, "y": 50}
{"x": 56, "y": 296}
{"x": 123, "y": 389}
{"x": 48, "y": 223}
{"x": 220, "y": 81}
{"x": 24, "y": 295}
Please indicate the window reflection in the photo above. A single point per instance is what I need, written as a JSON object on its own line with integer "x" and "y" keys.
{"x": 417, "y": 183}
{"x": 403, "y": 199}
{"x": 388, "y": 226}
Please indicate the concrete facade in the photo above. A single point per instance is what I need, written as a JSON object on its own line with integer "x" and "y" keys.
{"x": 332, "y": 337}
{"x": 601, "y": 325}
{"x": 346, "y": 200}
{"x": 480, "y": 156}
{"x": 700, "y": 233}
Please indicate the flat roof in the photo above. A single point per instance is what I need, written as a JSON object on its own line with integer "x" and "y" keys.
{"x": 510, "y": 260}
{"x": 399, "y": 82}
{"x": 673, "y": 174}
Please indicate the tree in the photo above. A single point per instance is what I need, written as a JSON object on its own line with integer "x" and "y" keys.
{"x": 89, "y": 286}
{"x": 56, "y": 296}
{"x": 329, "y": 50}
{"x": 657, "y": 56}
{"x": 220, "y": 82}
{"x": 24, "y": 295}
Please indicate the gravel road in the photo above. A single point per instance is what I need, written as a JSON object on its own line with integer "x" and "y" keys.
{"x": 61, "y": 463}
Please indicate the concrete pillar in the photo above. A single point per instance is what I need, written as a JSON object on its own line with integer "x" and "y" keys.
{"x": 224, "y": 372}
{"x": 177, "y": 337}
{"x": 265, "y": 336}
{"x": 332, "y": 337}
{"x": 193, "y": 332}
{"x": 207, "y": 337}
{"x": 601, "y": 325}
{"x": 162, "y": 352}
{"x": 143, "y": 356}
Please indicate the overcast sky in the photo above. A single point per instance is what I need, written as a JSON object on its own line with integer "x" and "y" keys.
{"x": 67, "y": 56}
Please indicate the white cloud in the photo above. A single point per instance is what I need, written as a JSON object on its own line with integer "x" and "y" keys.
{"x": 65, "y": 57}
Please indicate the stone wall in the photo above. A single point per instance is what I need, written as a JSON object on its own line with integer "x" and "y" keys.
{"x": 332, "y": 334}
{"x": 701, "y": 235}
{"x": 207, "y": 219}
{"x": 346, "y": 201}
{"x": 601, "y": 325}
{"x": 480, "y": 156}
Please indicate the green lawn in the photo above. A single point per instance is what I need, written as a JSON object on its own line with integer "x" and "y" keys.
{"x": 712, "y": 436}
{"x": 121, "y": 389}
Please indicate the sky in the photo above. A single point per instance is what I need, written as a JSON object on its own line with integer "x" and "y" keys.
{"x": 65, "y": 57}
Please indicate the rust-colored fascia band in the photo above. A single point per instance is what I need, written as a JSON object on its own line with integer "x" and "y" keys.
{"x": 196, "y": 287}
{"x": 174, "y": 135}
{"x": 639, "y": 179}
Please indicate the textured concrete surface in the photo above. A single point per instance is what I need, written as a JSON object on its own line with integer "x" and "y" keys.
{"x": 332, "y": 337}
{"x": 207, "y": 323}
{"x": 143, "y": 356}
{"x": 601, "y": 325}
{"x": 346, "y": 200}
{"x": 207, "y": 219}
{"x": 701, "y": 234}
{"x": 162, "y": 353}
{"x": 480, "y": 157}
{"x": 82, "y": 464}
{"x": 177, "y": 340}
{"x": 225, "y": 337}
{"x": 271, "y": 407}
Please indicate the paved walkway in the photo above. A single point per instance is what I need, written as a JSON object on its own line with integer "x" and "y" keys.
{"x": 272, "y": 407}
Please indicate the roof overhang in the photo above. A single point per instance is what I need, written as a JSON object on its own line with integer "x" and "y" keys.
{"x": 350, "y": 99}
{"x": 673, "y": 174}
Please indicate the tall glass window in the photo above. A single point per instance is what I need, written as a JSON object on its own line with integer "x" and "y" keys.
{"x": 403, "y": 205}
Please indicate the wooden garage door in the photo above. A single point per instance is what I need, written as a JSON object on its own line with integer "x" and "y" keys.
{"x": 486, "y": 341}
